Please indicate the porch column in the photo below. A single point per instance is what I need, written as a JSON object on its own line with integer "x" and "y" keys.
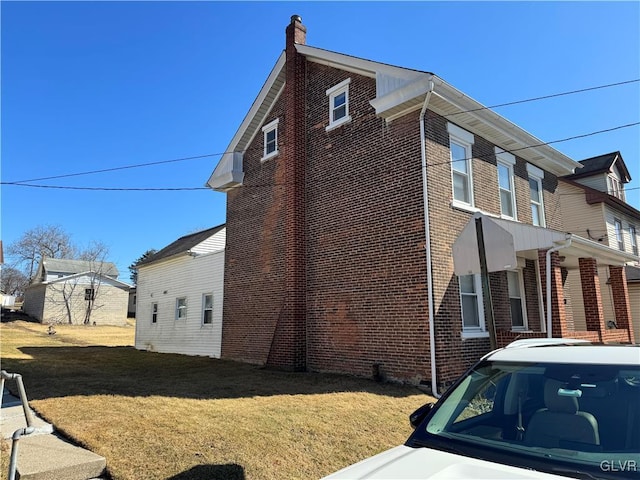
{"x": 621, "y": 306}
{"x": 593, "y": 311}
{"x": 559, "y": 326}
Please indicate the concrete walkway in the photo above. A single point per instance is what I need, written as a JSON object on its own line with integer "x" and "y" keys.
{"x": 45, "y": 455}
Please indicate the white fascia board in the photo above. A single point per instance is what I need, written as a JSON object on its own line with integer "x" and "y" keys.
{"x": 221, "y": 178}
{"x": 600, "y": 251}
{"x": 105, "y": 279}
{"x": 553, "y": 160}
{"x": 417, "y": 88}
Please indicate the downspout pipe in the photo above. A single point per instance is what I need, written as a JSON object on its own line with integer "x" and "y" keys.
{"x": 566, "y": 244}
{"x": 427, "y": 236}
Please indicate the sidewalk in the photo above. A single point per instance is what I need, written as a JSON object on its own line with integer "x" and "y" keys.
{"x": 45, "y": 455}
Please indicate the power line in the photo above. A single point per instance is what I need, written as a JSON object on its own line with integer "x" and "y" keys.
{"x": 183, "y": 159}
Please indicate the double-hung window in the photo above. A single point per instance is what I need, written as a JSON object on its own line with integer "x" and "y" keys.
{"x": 154, "y": 312}
{"x": 471, "y": 303}
{"x": 516, "y": 300}
{"x": 535, "y": 191}
{"x": 634, "y": 239}
{"x": 338, "y": 104}
{"x": 270, "y": 132}
{"x": 181, "y": 308}
{"x": 460, "y": 143}
{"x": 207, "y": 309}
{"x": 506, "y": 161}
{"x": 617, "y": 224}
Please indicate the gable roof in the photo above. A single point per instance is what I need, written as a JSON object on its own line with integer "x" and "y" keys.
{"x": 602, "y": 164}
{"x": 106, "y": 279}
{"x": 398, "y": 91}
{"x": 71, "y": 267}
{"x": 183, "y": 245}
{"x": 593, "y": 196}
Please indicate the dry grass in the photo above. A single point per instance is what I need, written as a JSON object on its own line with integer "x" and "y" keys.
{"x": 162, "y": 416}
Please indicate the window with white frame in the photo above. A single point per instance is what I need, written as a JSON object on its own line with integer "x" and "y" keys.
{"x": 535, "y": 190}
{"x": 516, "y": 300}
{"x": 207, "y": 309}
{"x": 270, "y": 132}
{"x": 181, "y": 308}
{"x": 616, "y": 187}
{"x": 634, "y": 239}
{"x": 154, "y": 312}
{"x": 460, "y": 143}
{"x": 471, "y": 303}
{"x": 617, "y": 224}
{"x": 506, "y": 161}
{"x": 338, "y": 104}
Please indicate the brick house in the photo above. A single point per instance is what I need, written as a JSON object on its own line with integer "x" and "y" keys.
{"x": 594, "y": 206}
{"x": 348, "y": 183}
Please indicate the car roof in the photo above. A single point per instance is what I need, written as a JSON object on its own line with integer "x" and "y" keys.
{"x": 573, "y": 353}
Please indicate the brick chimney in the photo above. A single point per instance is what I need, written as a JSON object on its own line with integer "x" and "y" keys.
{"x": 288, "y": 349}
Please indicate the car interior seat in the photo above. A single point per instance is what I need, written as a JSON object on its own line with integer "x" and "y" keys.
{"x": 561, "y": 424}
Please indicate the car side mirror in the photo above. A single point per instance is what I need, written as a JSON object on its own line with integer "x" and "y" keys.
{"x": 419, "y": 415}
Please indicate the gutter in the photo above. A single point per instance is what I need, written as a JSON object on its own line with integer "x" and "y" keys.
{"x": 427, "y": 236}
{"x": 566, "y": 244}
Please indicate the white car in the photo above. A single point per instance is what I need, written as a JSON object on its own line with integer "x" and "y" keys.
{"x": 536, "y": 409}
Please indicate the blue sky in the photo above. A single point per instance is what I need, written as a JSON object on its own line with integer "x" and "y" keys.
{"x": 98, "y": 85}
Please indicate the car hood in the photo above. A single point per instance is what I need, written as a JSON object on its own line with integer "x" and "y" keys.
{"x": 421, "y": 463}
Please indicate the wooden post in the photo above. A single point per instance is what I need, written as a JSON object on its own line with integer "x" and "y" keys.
{"x": 486, "y": 287}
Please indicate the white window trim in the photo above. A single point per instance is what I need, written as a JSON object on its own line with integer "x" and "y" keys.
{"x": 464, "y": 139}
{"x": 178, "y": 310}
{"x": 481, "y": 330}
{"x": 634, "y": 240}
{"x": 523, "y": 299}
{"x": 537, "y": 174}
{"x": 332, "y": 93}
{"x": 204, "y": 295}
{"x": 507, "y": 160}
{"x": 619, "y": 233}
{"x": 271, "y": 126}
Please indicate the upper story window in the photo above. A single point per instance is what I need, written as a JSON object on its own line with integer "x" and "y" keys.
{"x": 506, "y": 161}
{"x": 615, "y": 187}
{"x": 339, "y": 104}
{"x": 460, "y": 143}
{"x": 535, "y": 191}
{"x": 270, "y": 132}
{"x": 207, "y": 309}
{"x": 617, "y": 224}
{"x": 181, "y": 308}
{"x": 634, "y": 239}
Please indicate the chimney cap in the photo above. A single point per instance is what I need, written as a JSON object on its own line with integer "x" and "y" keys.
{"x": 296, "y": 18}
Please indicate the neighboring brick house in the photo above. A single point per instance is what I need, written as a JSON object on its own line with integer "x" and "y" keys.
{"x": 342, "y": 210}
{"x": 594, "y": 206}
{"x": 179, "y": 296}
{"x": 77, "y": 291}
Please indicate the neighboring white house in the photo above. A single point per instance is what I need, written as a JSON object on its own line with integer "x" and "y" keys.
{"x": 64, "y": 291}
{"x": 179, "y": 296}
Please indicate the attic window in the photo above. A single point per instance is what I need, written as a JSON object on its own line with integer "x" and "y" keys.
{"x": 338, "y": 104}
{"x": 270, "y": 132}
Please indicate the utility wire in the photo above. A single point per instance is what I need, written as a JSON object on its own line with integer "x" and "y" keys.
{"x": 183, "y": 159}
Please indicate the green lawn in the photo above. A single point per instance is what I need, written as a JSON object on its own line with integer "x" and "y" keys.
{"x": 163, "y": 416}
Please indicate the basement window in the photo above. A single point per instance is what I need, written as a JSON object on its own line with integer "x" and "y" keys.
{"x": 338, "y": 104}
{"x": 270, "y": 132}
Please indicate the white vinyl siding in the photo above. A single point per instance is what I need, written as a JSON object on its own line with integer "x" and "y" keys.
{"x": 181, "y": 277}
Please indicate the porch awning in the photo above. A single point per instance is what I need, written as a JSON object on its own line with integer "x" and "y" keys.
{"x": 528, "y": 239}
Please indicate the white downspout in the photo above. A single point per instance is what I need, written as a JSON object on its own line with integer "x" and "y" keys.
{"x": 566, "y": 244}
{"x": 427, "y": 236}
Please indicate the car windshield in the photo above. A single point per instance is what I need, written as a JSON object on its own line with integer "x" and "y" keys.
{"x": 570, "y": 419}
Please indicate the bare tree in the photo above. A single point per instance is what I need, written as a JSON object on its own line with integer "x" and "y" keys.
{"x": 95, "y": 254}
{"x": 133, "y": 268}
{"x": 42, "y": 241}
{"x": 13, "y": 281}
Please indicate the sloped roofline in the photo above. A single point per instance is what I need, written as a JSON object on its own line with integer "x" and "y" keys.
{"x": 182, "y": 245}
{"x": 608, "y": 160}
{"x": 399, "y": 90}
{"x": 88, "y": 272}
